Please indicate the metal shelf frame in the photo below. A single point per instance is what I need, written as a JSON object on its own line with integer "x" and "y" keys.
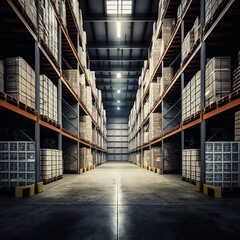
{"x": 56, "y": 65}
{"x": 224, "y": 106}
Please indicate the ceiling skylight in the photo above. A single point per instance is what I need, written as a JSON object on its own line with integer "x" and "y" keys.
{"x": 118, "y": 7}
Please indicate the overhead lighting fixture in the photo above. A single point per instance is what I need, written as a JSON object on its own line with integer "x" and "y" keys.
{"x": 118, "y": 108}
{"x": 116, "y": 7}
{"x": 118, "y": 101}
{"x": 118, "y": 28}
{"x": 119, "y": 75}
{"x": 118, "y": 91}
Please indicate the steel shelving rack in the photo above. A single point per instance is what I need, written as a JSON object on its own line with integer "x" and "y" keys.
{"x": 212, "y": 40}
{"x": 20, "y": 38}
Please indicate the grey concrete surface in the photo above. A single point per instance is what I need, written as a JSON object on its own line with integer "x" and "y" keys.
{"x": 119, "y": 201}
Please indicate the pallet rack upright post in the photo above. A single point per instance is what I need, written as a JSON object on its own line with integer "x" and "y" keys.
{"x": 202, "y": 101}
{"x": 60, "y": 143}
{"x": 37, "y": 101}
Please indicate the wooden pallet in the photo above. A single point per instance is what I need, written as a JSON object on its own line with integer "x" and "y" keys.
{"x": 53, "y": 179}
{"x": 189, "y": 180}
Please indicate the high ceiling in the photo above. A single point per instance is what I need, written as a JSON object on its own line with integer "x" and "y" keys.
{"x": 110, "y": 54}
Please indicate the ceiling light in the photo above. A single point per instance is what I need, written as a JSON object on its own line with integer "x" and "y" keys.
{"x": 118, "y": 7}
{"x": 118, "y": 108}
{"x": 118, "y": 28}
{"x": 118, "y": 101}
{"x": 119, "y": 75}
{"x": 118, "y": 91}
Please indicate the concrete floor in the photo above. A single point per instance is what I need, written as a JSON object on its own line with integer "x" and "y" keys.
{"x": 119, "y": 201}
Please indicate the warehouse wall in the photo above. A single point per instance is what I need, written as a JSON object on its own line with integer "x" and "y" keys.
{"x": 117, "y": 139}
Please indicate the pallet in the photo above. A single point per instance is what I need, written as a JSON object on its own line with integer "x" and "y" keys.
{"x": 222, "y": 101}
{"x": 191, "y": 118}
{"x": 189, "y": 180}
{"x": 9, "y": 99}
{"x": 53, "y": 179}
{"x": 49, "y": 121}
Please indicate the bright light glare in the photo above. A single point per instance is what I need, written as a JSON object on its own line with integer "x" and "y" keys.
{"x": 118, "y": 29}
{"x": 118, "y": 7}
{"x": 118, "y": 91}
{"x": 119, "y": 75}
{"x": 118, "y": 108}
{"x": 118, "y": 101}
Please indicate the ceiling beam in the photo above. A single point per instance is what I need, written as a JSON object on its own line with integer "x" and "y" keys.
{"x": 135, "y": 18}
{"x": 132, "y": 91}
{"x": 100, "y": 84}
{"x": 122, "y": 103}
{"x": 117, "y": 60}
{"x": 123, "y": 88}
{"x": 100, "y": 77}
{"x": 120, "y": 97}
{"x": 115, "y": 69}
{"x": 104, "y": 45}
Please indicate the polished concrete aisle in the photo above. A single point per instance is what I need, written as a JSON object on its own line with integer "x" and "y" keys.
{"x": 119, "y": 201}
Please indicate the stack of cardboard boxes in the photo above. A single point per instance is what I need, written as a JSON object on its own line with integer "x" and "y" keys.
{"x": 48, "y": 98}
{"x": 20, "y": 80}
{"x": 51, "y": 162}
{"x": 191, "y": 164}
{"x": 218, "y": 79}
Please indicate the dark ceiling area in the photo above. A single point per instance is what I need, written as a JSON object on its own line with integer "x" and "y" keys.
{"x": 110, "y": 54}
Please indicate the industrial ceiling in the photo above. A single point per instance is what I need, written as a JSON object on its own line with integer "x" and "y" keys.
{"x": 118, "y": 40}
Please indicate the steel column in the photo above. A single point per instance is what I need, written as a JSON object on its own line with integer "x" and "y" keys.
{"x": 202, "y": 67}
{"x": 37, "y": 103}
{"x": 60, "y": 87}
{"x": 182, "y": 87}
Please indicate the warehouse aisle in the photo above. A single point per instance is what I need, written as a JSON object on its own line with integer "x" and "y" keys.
{"x": 119, "y": 201}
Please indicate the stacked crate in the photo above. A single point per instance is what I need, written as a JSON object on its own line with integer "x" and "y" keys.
{"x": 29, "y": 8}
{"x": 146, "y": 158}
{"x": 70, "y": 156}
{"x": 50, "y": 163}
{"x": 156, "y": 53}
{"x": 75, "y": 79}
{"x": 237, "y": 126}
{"x": 155, "y": 125}
{"x": 88, "y": 100}
{"x": 48, "y": 27}
{"x": 86, "y": 159}
{"x": 146, "y": 109}
{"x": 20, "y": 80}
{"x": 187, "y": 44}
{"x": 167, "y": 29}
{"x": 1, "y": 76}
{"x": 138, "y": 158}
{"x": 210, "y": 8}
{"x": 146, "y": 135}
{"x": 165, "y": 80}
{"x": 86, "y": 128}
{"x": 196, "y": 29}
{"x": 191, "y": 97}
{"x": 48, "y": 98}
{"x": 154, "y": 94}
{"x": 94, "y": 137}
{"x": 218, "y": 79}
{"x": 223, "y": 164}
{"x": 156, "y": 157}
{"x": 191, "y": 164}
{"x": 61, "y": 8}
{"x": 181, "y": 8}
{"x": 17, "y": 163}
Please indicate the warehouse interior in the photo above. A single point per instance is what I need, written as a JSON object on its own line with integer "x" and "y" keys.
{"x": 120, "y": 119}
